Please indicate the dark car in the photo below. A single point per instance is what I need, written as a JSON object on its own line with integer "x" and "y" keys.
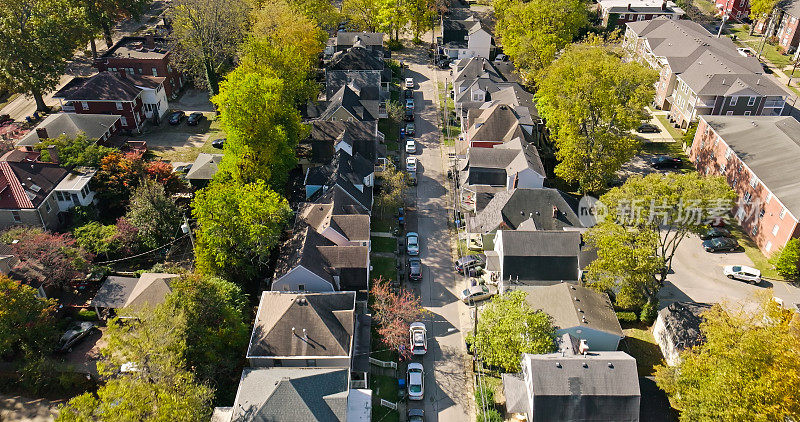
{"x": 470, "y": 261}
{"x": 766, "y": 68}
{"x": 715, "y": 232}
{"x": 665, "y": 161}
{"x": 408, "y": 115}
{"x": 401, "y": 216}
{"x": 76, "y": 332}
{"x": 443, "y": 63}
{"x": 411, "y": 129}
{"x": 416, "y": 415}
{"x": 717, "y": 244}
{"x": 194, "y": 119}
{"x": 218, "y": 143}
{"x": 414, "y": 269}
{"x": 175, "y": 117}
{"x": 648, "y": 128}
{"x": 409, "y": 93}
{"x": 183, "y": 169}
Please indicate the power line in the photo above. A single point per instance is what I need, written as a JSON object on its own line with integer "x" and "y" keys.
{"x": 141, "y": 254}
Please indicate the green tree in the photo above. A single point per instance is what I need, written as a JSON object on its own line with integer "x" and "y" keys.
{"x": 626, "y": 263}
{"x": 533, "y": 32}
{"x": 238, "y": 227}
{"x": 101, "y": 16}
{"x": 786, "y": 262}
{"x": 77, "y": 151}
{"x": 393, "y": 188}
{"x": 154, "y": 214}
{"x": 27, "y": 321}
{"x": 97, "y": 238}
{"x": 363, "y": 14}
{"x": 509, "y": 327}
{"x": 207, "y": 35}
{"x": 591, "y": 101}
{"x": 421, "y": 16}
{"x": 671, "y": 205}
{"x": 37, "y": 37}
{"x": 761, "y": 10}
{"x": 752, "y": 352}
{"x": 263, "y": 128}
{"x": 114, "y": 181}
{"x": 392, "y": 17}
{"x": 322, "y": 12}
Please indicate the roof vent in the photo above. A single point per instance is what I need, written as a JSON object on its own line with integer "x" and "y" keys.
{"x": 610, "y": 365}
{"x": 558, "y": 364}
{"x": 576, "y": 299}
{"x": 583, "y": 348}
{"x": 583, "y": 319}
{"x": 580, "y": 310}
{"x": 585, "y": 365}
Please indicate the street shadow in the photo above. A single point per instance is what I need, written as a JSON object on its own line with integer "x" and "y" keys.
{"x": 670, "y": 293}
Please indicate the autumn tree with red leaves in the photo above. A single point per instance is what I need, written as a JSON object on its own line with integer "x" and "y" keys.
{"x": 50, "y": 258}
{"x": 394, "y": 311}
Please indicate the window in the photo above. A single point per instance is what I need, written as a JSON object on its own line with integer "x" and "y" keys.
{"x": 782, "y": 214}
{"x": 155, "y": 72}
{"x": 730, "y": 113}
{"x": 84, "y": 105}
{"x": 722, "y": 168}
{"x": 740, "y": 214}
{"x": 16, "y": 216}
{"x": 716, "y": 141}
{"x": 119, "y": 105}
{"x": 769, "y": 246}
{"x": 277, "y": 362}
{"x": 775, "y": 230}
{"x": 58, "y": 196}
{"x": 301, "y": 287}
{"x": 747, "y": 113}
{"x": 751, "y": 101}
{"x": 169, "y": 69}
{"x": 47, "y": 207}
{"x": 112, "y": 69}
{"x": 728, "y": 153}
{"x": 702, "y": 144}
{"x": 733, "y": 101}
{"x": 747, "y": 197}
{"x": 755, "y": 230}
{"x": 86, "y": 190}
{"x": 311, "y": 362}
{"x": 753, "y": 181}
{"x": 123, "y": 120}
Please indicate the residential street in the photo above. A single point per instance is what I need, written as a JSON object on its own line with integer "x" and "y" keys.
{"x": 447, "y": 385}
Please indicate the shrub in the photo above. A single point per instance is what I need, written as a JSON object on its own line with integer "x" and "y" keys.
{"x": 490, "y": 415}
{"x": 394, "y": 45}
{"x": 87, "y": 315}
{"x": 746, "y": 27}
{"x": 688, "y": 137}
{"x": 649, "y": 312}
{"x": 484, "y": 397}
{"x": 786, "y": 261}
{"x": 627, "y": 316}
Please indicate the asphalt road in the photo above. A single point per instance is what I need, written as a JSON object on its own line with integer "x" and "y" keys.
{"x": 447, "y": 383}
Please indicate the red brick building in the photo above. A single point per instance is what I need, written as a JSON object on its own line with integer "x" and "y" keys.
{"x": 758, "y": 156}
{"x": 148, "y": 55}
{"x": 785, "y": 26}
{"x": 735, "y": 9}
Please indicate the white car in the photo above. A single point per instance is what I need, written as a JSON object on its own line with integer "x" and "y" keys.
{"x": 740, "y": 272}
{"x": 411, "y": 164}
{"x": 416, "y": 387}
{"x": 746, "y": 52}
{"x": 412, "y": 243}
{"x": 418, "y": 338}
{"x": 409, "y": 83}
{"x": 477, "y": 293}
{"x": 411, "y": 146}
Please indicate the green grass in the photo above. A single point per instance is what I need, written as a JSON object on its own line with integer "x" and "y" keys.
{"x": 188, "y": 153}
{"x": 640, "y": 344}
{"x": 389, "y": 129}
{"x": 391, "y": 146}
{"x": 770, "y": 52}
{"x": 384, "y": 221}
{"x": 384, "y": 267}
{"x": 384, "y": 387}
{"x": 760, "y": 262}
{"x": 384, "y": 244}
{"x": 674, "y": 132}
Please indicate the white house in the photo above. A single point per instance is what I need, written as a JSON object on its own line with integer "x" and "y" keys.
{"x": 466, "y": 38}
{"x": 73, "y": 190}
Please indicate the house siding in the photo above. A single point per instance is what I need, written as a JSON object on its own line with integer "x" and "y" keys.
{"x": 597, "y": 340}
{"x": 292, "y": 280}
{"x": 735, "y": 9}
{"x": 38, "y": 217}
{"x": 174, "y": 79}
{"x": 131, "y": 110}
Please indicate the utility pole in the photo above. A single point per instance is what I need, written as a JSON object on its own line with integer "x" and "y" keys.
{"x": 187, "y": 229}
{"x": 724, "y": 18}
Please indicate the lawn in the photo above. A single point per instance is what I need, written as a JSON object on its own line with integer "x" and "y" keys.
{"x": 384, "y": 221}
{"x": 190, "y": 153}
{"x": 389, "y": 129}
{"x": 383, "y": 387}
{"x": 640, "y": 344}
{"x": 384, "y": 244}
{"x": 674, "y": 132}
{"x": 754, "y": 41}
{"x": 384, "y": 267}
{"x": 760, "y": 262}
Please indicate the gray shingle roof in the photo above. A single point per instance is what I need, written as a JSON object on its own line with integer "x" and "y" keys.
{"x": 108, "y": 86}
{"x": 325, "y": 134}
{"x": 356, "y": 58}
{"x": 291, "y": 395}
{"x": 682, "y": 322}
{"x": 539, "y": 257}
{"x": 366, "y": 38}
{"x": 604, "y": 374}
{"x": 498, "y": 123}
{"x": 121, "y": 292}
{"x": 473, "y": 68}
{"x": 327, "y": 318}
{"x": 770, "y": 146}
{"x": 508, "y": 209}
{"x": 204, "y": 167}
{"x": 93, "y": 126}
{"x": 351, "y": 101}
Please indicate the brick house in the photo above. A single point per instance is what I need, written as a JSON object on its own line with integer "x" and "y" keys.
{"x": 735, "y": 9}
{"x": 619, "y": 12}
{"x": 148, "y": 55}
{"x": 758, "y": 156}
{"x": 133, "y": 97}
{"x": 785, "y": 26}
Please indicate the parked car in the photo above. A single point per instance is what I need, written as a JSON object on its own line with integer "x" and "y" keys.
{"x": 665, "y": 161}
{"x": 443, "y": 63}
{"x": 477, "y": 293}
{"x": 218, "y": 143}
{"x": 194, "y": 119}
{"x": 415, "y": 382}
{"x": 401, "y": 216}
{"x": 501, "y": 58}
{"x": 183, "y": 169}
{"x": 414, "y": 269}
{"x": 715, "y": 232}
{"x": 411, "y": 146}
{"x": 409, "y": 83}
{"x": 411, "y": 164}
{"x": 76, "y": 332}
{"x": 408, "y": 115}
{"x": 416, "y": 415}
{"x": 410, "y": 103}
{"x": 717, "y": 244}
{"x": 409, "y": 93}
{"x": 412, "y": 243}
{"x": 740, "y": 272}
{"x": 470, "y": 261}
{"x": 746, "y": 52}
{"x": 418, "y": 338}
{"x": 175, "y": 117}
{"x": 411, "y": 129}
{"x": 648, "y": 128}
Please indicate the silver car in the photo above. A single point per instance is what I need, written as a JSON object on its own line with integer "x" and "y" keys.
{"x": 418, "y": 338}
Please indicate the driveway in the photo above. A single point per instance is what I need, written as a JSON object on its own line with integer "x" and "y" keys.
{"x": 448, "y": 385}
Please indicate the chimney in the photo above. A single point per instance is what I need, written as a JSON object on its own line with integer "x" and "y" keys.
{"x": 664, "y": 6}
{"x": 629, "y": 7}
{"x": 555, "y": 211}
{"x": 51, "y": 149}
{"x": 150, "y": 41}
{"x": 584, "y": 347}
{"x": 305, "y": 334}
{"x": 42, "y": 133}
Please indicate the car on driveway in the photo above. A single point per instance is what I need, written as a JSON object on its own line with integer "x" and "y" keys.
{"x": 648, "y": 128}
{"x": 411, "y": 164}
{"x": 470, "y": 261}
{"x": 218, "y": 143}
{"x": 411, "y": 146}
{"x": 183, "y": 169}
{"x": 717, "y": 244}
{"x": 194, "y": 119}
{"x": 401, "y": 216}
{"x": 477, "y": 293}
{"x": 414, "y": 269}
{"x": 411, "y": 129}
{"x": 175, "y": 117}
{"x": 408, "y": 115}
{"x": 415, "y": 382}
{"x": 416, "y": 415}
{"x": 665, "y": 161}
{"x": 741, "y": 272}
{"x": 409, "y": 83}
{"x": 418, "y": 338}
{"x": 746, "y": 52}
{"x": 410, "y": 103}
{"x": 412, "y": 243}
{"x": 715, "y": 232}
{"x": 76, "y": 332}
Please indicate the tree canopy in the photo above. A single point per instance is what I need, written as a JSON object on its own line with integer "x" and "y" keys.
{"x": 154, "y": 214}
{"x": 26, "y": 321}
{"x": 509, "y": 327}
{"x": 788, "y": 259}
{"x": 53, "y": 259}
{"x": 748, "y": 368}
{"x": 591, "y": 101}
{"x": 394, "y": 311}
{"x": 74, "y": 151}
